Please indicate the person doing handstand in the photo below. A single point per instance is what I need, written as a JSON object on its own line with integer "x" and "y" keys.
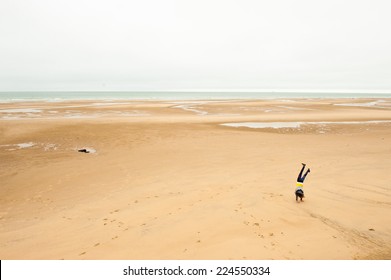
{"x": 299, "y": 192}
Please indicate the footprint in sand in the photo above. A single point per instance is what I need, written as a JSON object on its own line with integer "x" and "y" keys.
{"x": 81, "y": 254}
{"x": 97, "y": 244}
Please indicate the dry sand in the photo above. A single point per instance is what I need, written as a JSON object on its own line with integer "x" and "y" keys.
{"x": 167, "y": 181}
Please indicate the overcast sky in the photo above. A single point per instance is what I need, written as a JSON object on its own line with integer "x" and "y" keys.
{"x": 195, "y": 44}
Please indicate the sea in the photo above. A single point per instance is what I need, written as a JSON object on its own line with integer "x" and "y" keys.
{"x": 175, "y": 95}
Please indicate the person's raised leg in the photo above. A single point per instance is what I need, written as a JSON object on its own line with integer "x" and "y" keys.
{"x": 299, "y": 178}
{"x": 305, "y": 175}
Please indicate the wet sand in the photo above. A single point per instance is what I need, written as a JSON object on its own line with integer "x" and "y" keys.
{"x": 166, "y": 180}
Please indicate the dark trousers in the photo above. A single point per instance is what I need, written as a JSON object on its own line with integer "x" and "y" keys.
{"x": 301, "y": 178}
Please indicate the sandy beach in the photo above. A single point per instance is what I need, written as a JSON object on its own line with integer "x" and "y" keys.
{"x": 167, "y": 180}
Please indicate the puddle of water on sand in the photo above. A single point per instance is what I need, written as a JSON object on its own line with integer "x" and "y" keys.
{"x": 277, "y": 125}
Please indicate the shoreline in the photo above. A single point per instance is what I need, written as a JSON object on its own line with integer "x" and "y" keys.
{"x": 190, "y": 99}
{"x": 63, "y": 96}
{"x": 226, "y": 110}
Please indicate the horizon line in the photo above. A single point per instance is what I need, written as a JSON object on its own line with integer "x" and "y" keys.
{"x": 219, "y": 90}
